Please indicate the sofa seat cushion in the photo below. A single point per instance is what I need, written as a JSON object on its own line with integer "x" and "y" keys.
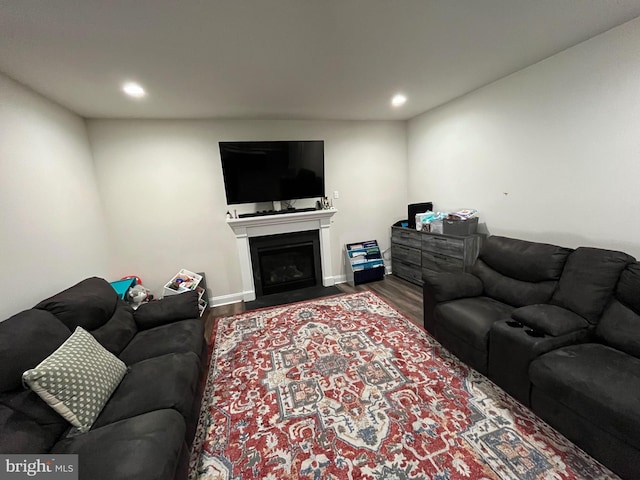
{"x": 168, "y": 381}
{"x": 179, "y": 337}
{"x": 597, "y": 382}
{"x": 28, "y": 424}
{"x": 146, "y": 447}
{"x": 470, "y": 319}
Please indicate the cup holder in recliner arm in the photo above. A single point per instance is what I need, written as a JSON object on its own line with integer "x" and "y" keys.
{"x": 534, "y": 333}
{"x": 514, "y": 324}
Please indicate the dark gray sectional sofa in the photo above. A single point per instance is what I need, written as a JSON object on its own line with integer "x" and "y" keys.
{"x": 558, "y": 329}
{"x": 146, "y": 428}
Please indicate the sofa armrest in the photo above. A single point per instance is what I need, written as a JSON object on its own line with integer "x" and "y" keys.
{"x": 441, "y": 287}
{"x": 550, "y": 319}
{"x": 451, "y": 286}
{"x": 168, "y": 310}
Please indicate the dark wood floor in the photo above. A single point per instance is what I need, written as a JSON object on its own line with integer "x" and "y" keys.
{"x": 404, "y": 296}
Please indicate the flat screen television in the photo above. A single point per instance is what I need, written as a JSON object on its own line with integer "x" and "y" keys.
{"x": 272, "y": 171}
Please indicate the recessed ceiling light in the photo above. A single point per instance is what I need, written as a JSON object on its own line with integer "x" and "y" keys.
{"x": 133, "y": 90}
{"x": 398, "y": 100}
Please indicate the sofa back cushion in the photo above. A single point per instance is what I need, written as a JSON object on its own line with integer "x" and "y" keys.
{"x": 26, "y": 339}
{"x": 88, "y": 304}
{"x": 588, "y": 281}
{"x": 519, "y": 272}
{"x": 620, "y": 324}
{"x": 116, "y": 334}
{"x": 94, "y": 305}
{"x": 628, "y": 288}
{"x": 28, "y": 424}
{"x": 524, "y": 260}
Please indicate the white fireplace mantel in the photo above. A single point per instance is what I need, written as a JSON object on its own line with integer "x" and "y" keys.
{"x": 245, "y": 228}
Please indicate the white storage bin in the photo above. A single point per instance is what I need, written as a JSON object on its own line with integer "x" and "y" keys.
{"x": 183, "y": 281}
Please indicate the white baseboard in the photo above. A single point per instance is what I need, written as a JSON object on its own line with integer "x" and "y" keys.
{"x": 225, "y": 299}
{"x": 339, "y": 279}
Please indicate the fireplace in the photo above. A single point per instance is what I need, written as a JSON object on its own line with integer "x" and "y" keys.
{"x": 248, "y": 228}
{"x": 285, "y": 262}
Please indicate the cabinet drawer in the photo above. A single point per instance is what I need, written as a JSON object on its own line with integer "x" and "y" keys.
{"x": 411, "y": 273}
{"x": 406, "y": 237}
{"x": 405, "y": 254}
{"x": 441, "y": 263}
{"x": 449, "y": 246}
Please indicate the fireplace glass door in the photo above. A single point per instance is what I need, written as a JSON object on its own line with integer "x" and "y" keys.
{"x": 285, "y": 262}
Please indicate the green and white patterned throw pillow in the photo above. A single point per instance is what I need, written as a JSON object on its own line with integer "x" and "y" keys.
{"x": 77, "y": 379}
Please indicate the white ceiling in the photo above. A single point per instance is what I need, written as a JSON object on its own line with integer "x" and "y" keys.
{"x": 299, "y": 59}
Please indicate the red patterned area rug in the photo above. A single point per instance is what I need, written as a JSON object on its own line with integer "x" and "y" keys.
{"x": 346, "y": 387}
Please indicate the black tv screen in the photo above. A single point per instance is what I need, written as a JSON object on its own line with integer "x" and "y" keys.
{"x": 272, "y": 171}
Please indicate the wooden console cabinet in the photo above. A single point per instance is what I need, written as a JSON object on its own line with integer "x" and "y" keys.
{"x": 412, "y": 252}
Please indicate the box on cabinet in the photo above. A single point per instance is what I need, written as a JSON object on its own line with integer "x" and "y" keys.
{"x": 460, "y": 227}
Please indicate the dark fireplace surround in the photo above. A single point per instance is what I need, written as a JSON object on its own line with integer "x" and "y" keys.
{"x": 285, "y": 262}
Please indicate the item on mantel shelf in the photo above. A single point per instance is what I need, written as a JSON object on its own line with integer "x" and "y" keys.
{"x": 324, "y": 204}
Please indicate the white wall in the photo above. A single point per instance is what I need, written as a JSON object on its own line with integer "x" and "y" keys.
{"x": 53, "y": 228}
{"x": 547, "y": 154}
{"x": 551, "y": 153}
{"x": 162, "y": 185}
